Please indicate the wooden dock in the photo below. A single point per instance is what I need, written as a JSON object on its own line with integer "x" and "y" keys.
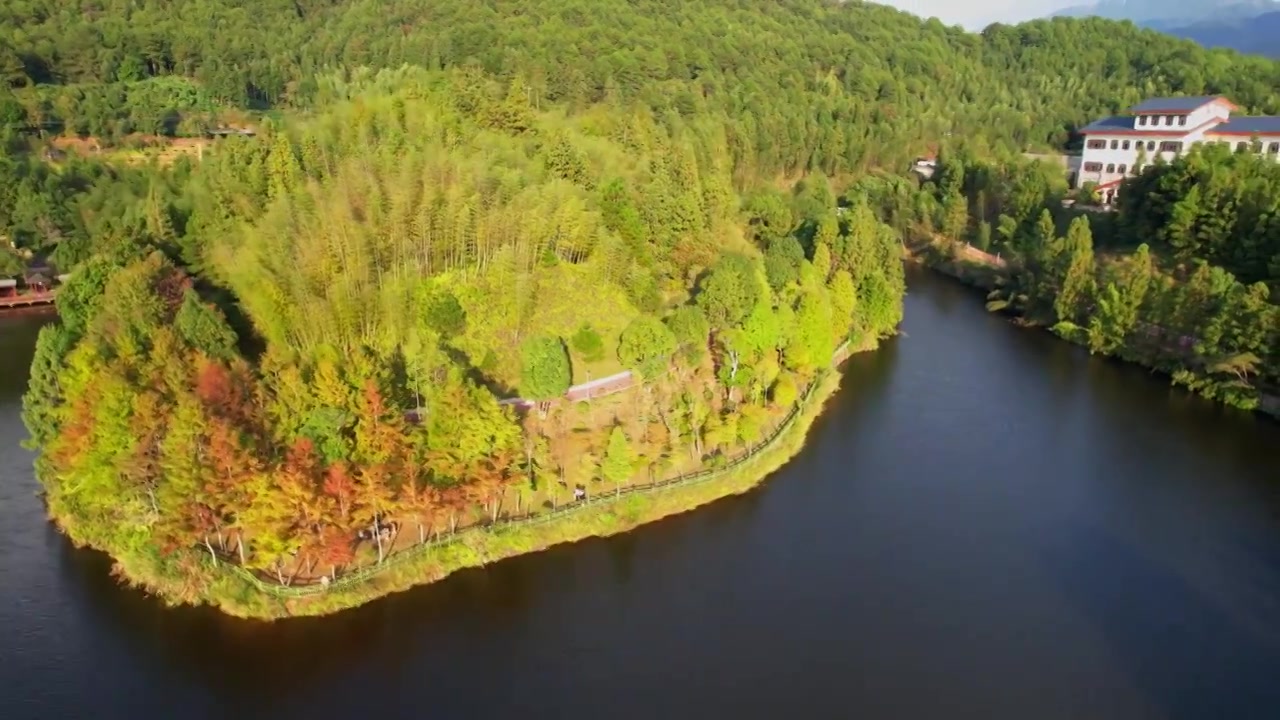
{"x": 26, "y": 300}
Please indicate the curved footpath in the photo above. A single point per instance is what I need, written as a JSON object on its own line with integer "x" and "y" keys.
{"x": 238, "y": 592}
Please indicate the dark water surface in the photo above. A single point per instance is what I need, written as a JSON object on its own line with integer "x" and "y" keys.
{"x": 987, "y": 523}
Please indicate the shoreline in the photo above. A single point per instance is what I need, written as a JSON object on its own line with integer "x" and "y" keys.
{"x": 235, "y": 592}
{"x": 981, "y": 275}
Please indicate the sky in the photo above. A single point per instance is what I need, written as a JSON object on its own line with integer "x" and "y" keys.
{"x": 976, "y": 14}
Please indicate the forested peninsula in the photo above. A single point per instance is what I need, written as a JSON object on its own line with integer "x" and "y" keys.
{"x": 334, "y": 265}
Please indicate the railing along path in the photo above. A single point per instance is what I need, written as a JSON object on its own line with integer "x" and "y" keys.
{"x": 530, "y": 518}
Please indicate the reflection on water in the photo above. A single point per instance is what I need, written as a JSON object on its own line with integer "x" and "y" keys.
{"x": 986, "y": 522}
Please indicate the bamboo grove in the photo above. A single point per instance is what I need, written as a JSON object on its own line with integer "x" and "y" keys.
{"x": 299, "y": 372}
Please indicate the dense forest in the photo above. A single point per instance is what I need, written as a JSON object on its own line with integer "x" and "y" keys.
{"x": 798, "y": 86}
{"x": 804, "y": 83}
{"x": 287, "y": 353}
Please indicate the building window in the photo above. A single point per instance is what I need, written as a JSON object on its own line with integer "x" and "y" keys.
{"x": 1182, "y": 120}
{"x": 1125, "y": 145}
{"x": 1142, "y": 120}
{"x": 1093, "y": 167}
{"x": 1241, "y": 146}
{"x": 1274, "y": 148}
{"x": 1115, "y": 144}
{"x": 1168, "y": 120}
{"x": 1111, "y": 168}
{"x": 1124, "y": 169}
{"x": 1151, "y": 146}
{"x": 1097, "y": 145}
{"x": 1170, "y": 146}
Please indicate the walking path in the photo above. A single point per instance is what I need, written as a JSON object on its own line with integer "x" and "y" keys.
{"x": 585, "y": 391}
{"x": 532, "y": 516}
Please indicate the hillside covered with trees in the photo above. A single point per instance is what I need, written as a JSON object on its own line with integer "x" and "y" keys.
{"x": 798, "y": 86}
{"x": 288, "y": 355}
{"x": 807, "y": 83}
{"x": 420, "y": 247}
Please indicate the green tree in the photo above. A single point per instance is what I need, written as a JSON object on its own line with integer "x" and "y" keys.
{"x": 203, "y": 327}
{"x": 515, "y": 113}
{"x": 690, "y": 327}
{"x": 545, "y": 372}
{"x": 587, "y": 342}
{"x": 784, "y": 392}
{"x": 44, "y": 392}
{"x": 982, "y": 240}
{"x": 827, "y": 233}
{"x": 782, "y": 262}
{"x": 1119, "y": 302}
{"x": 822, "y": 261}
{"x": 618, "y": 464}
{"x": 812, "y": 342}
{"x": 10, "y": 264}
{"x": 1007, "y": 229}
{"x": 1046, "y": 233}
{"x": 769, "y": 215}
{"x": 444, "y": 314}
{"x": 844, "y": 299}
{"x": 1078, "y": 279}
{"x": 13, "y": 72}
{"x": 813, "y": 198}
{"x": 955, "y": 216}
{"x": 729, "y": 291}
{"x": 646, "y": 345}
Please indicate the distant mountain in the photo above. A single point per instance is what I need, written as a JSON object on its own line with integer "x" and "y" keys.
{"x": 1166, "y": 14}
{"x": 1258, "y": 35}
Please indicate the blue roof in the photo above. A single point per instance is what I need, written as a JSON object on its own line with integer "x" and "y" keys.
{"x": 1249, "y": 125}
{"x": 1174, "y": 104}
{"x": 1119, "y": 122}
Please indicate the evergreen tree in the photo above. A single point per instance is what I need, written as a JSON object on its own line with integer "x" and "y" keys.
{"x": 545, "y": 374}
{"x": 729, "y": 291}
{"x": 690, "y": 328}
{"x": 822, "y": 260}
{"x": 588, "y": 344}
{"x": 646, "y": 346}
{"x": 1077, "y": 283}
{"x": 618, "y": 464}
{"x": 843, "y": 300}
{"x": 812, "y": 342}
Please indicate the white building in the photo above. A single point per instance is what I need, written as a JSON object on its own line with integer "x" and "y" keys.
{"x": 1117, "y": 147}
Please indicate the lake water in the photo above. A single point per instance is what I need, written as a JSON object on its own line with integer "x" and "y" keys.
{"x": 986, "y": 523}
